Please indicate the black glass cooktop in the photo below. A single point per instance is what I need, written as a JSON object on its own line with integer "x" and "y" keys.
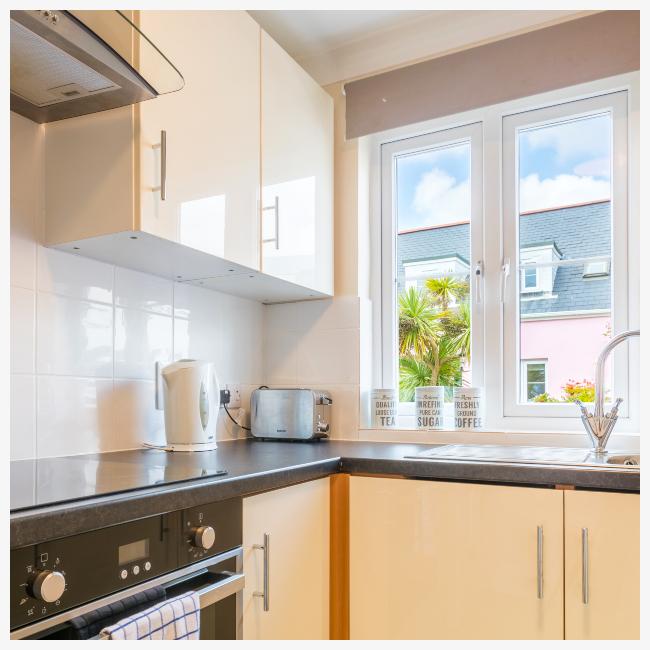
{"x": 36, "y": 483}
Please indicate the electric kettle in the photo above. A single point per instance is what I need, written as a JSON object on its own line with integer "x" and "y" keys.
{"x": 191, "y": 405}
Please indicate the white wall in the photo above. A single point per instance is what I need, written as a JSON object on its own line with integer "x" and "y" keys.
{"x": 85, "y": 335}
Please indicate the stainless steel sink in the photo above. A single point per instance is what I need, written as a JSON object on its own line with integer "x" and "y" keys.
{"x": 516, "y": 454}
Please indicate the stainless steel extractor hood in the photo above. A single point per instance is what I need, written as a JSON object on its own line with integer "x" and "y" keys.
{"x": 62, "y": 68}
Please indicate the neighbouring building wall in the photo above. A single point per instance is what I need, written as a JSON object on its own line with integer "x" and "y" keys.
{"x": 570, "y": 347}
{"x": 85, "y": 335}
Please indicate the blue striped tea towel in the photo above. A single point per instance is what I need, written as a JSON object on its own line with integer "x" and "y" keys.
{"x": 174, "y": 619}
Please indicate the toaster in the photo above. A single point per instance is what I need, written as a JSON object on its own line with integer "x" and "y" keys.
{"x": 290, "y": 413}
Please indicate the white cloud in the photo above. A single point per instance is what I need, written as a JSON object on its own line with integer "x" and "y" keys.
{"x": 565, "y": 189}
{"x": 585, "y": 137}
{"x": 594, "y": 167}
{"x": 439, "y": 198}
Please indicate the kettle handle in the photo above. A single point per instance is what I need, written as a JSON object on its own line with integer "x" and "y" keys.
{"x": 217, "y": 392}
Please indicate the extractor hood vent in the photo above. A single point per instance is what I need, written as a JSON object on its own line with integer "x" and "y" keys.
{"x": 60, "y": 68}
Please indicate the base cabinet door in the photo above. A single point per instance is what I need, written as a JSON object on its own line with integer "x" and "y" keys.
{"x": 294, "y": 523}
{"x": 602, "y": 565}
{"x": 435, "y": 560}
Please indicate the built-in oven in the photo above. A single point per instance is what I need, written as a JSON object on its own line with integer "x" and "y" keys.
{"x": 56, "y": 583}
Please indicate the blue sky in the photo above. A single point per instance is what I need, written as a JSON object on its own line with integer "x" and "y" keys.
{"x": 560, "y": 164}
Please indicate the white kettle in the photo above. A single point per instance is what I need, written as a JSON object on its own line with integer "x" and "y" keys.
{"x": 191, "y": 402}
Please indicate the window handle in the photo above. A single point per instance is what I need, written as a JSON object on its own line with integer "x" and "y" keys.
{"x": 505, "y": 272}
{"x": 478, "y": 280}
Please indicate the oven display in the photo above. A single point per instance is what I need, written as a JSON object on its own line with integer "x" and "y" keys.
{"x": 133, "y": 552}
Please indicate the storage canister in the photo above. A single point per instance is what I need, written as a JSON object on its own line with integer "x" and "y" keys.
{"x": 384, "y": 403}
{"x": 468, "y": 407}
{"x": 429, "y": 405}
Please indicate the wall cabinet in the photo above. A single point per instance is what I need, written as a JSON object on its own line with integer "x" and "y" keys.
{"x": 294, "y": 521}
{"x": 602, "y": 588}
{"x": 434, "y": 560}
{"x": 173, "y": 186}
{"x": 297, "y": 172}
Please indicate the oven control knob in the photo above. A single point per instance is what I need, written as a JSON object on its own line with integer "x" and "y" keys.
{"x": 48, "y": 586}
{"x": 203, "y": 537}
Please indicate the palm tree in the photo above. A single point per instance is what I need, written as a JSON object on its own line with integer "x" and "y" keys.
{"x": 444, "y": 290}
{"x": 418, "y": 323}
{"x": 434, "y": 339}
{"x": 441, "y": 366}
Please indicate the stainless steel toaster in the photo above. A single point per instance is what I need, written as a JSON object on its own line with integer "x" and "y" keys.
{"x": 290, "y": 413}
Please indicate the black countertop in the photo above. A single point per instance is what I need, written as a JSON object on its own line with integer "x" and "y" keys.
{"x": 103, "y": 498}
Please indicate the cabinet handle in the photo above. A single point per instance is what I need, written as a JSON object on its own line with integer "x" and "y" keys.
{"x": 163, "y": 165}
{"x": 276, "y": 209}
{"x": 540, "y": 562}
{"x": 585, "y": 566}
{"x": 264, "y": 594}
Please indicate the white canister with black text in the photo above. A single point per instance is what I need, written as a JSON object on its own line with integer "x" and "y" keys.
{"x": 383, "y": 403}
{"x": 468, "y": 407}
{"x": 429, "y": 406}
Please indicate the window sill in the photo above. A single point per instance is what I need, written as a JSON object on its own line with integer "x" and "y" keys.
{"x": 622, "y": 441}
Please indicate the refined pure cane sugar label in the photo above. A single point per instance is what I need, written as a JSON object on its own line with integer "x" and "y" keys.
{"x": 429, "y": 406}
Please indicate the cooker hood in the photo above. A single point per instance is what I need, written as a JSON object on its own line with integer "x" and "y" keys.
{"x": 70, "y": 63}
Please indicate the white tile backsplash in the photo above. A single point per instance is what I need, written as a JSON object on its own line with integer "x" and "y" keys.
{"x": 23, "y": 416}
{"x": 22, "y": 330}
{"x": 74, "y": 276}
{"x": 316, "y": 345}
{"x": 141, "y": 339}
{"x": 74, "y": 415}
{"x": 85, "y": 335}
{"x": 73, "y": 337}
{"x": 142, "y": 291}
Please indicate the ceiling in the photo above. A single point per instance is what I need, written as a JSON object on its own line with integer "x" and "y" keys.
{"x": 339, "y": 45}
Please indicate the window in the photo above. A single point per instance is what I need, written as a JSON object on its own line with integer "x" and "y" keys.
{"x": 432, "y": 217}
{"x": 559, "y": 184}
{"x": 522, "y": 226}
{"x": 533, "y": 379}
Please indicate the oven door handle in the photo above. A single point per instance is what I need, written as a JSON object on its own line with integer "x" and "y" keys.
{"x": 211, "y": 594}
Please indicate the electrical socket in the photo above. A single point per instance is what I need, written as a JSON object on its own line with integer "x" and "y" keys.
{"x": 235, "y": 395}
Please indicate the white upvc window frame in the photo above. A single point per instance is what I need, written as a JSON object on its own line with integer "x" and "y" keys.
{"x": 616, "y": 105}
{"x": 454, "y": 135}
{"x": 491, "y": 317}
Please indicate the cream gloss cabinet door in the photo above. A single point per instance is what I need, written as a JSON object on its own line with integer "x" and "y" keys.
{"x": 602, "y": 565}
{"x": 295, "y": 521}
{"x": 435, "y": 560}
{"x": 210, "y": 159}
{"x": 297, "y": 172}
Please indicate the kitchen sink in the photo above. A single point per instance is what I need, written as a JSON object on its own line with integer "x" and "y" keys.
{"x": 518, "y": 454}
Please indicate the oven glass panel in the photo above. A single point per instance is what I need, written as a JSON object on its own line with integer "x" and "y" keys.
{"x": 134, "y": 551}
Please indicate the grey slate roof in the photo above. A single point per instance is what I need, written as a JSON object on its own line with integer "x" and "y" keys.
{"x": 577, "y": 231}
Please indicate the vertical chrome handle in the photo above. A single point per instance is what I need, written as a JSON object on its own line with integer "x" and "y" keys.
{"x": 585, "y": 566}
{"x": 478, "y": 279}
{"x": 505, "y": 272}
{"x": 163, "y": 165}
{"x": 276, "y": 209}
{"x": 540, "y": 562}
{"x": 265, "y": 593}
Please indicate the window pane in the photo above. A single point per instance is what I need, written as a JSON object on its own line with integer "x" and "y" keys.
{"x": 433, "y": 203}
{"x": 565, "y": 215}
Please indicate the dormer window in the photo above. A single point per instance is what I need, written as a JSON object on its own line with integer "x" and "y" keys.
{"x": 537, "y": 269}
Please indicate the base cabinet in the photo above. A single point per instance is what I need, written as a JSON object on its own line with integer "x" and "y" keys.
{"x": 295, "y": 523}
{"x": 602, "y": 565}
{"x": 434, "y": 560}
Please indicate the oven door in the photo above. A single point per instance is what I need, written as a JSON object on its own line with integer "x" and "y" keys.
{"x": 218, "y": 581}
